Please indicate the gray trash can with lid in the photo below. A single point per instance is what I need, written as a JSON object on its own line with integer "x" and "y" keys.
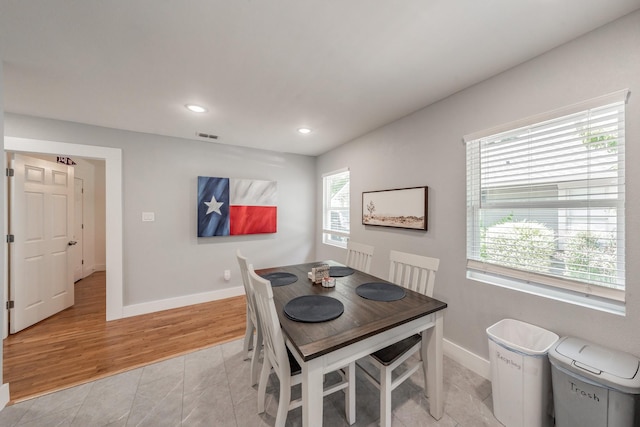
{"x": 594, "y": 386}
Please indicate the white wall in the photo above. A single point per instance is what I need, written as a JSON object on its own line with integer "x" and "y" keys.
{"x": 164, "y": 260}
{"x": 99, "y": 208}
{"x": 86, "y": 170}
{"x": 426, "y": 148}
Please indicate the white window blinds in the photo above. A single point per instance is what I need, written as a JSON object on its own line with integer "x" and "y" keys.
{"x": 545, "y": 201}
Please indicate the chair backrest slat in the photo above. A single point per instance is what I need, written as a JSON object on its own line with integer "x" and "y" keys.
{"x": 359, "y": 256}
{"x": 414, "y": 272}
{"x": 244, "y": 273}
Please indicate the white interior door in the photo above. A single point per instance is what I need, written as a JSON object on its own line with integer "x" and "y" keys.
{"x": 40, "y": 258}
{"x": 78, "y": 230}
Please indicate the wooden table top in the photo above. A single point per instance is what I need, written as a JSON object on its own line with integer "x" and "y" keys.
{"x": 361, "y": 319}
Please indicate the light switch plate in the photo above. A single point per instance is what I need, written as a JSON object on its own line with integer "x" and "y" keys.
{"x": 148, "y": 216}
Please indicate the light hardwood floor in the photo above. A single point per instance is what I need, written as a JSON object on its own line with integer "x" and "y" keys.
{"x": 77, "y": 345}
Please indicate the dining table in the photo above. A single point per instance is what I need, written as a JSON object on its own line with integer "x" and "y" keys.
{"x": 365, "y": 326}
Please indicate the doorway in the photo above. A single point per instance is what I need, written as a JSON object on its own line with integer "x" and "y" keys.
{"x": 113, "y": 205}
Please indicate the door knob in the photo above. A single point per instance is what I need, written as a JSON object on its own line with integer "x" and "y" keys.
{"x": 73, "y": 242}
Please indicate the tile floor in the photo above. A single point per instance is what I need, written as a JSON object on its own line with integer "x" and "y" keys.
{"x": 210, "y": 387}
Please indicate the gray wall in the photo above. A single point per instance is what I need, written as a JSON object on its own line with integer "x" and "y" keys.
{"x": 426, "y": 148}
{"x": 164, "y": 259}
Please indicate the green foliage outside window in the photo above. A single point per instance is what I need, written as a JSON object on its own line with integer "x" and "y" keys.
{"x": 589, "y": 255}
{"x": 483, "y": 235}
{"x": 596, "y": 139}
{"x": 520, "y": 244}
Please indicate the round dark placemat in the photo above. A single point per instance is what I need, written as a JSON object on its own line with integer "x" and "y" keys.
{"x": 313, "y": 308}
{"x": 280, "y": 278}
{"x": 337, "y": 271}
{"x": 380, "y": 291}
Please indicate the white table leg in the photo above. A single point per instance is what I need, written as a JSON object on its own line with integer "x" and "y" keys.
{"x": 432, "y": 359}
{"x": 350, "y": 393}
{"x": 312, "y": 400}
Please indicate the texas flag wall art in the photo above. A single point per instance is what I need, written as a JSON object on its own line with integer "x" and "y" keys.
{"x": 231, "y": 207}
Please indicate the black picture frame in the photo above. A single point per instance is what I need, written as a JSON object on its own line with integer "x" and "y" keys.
{"x": 397, "y": 208}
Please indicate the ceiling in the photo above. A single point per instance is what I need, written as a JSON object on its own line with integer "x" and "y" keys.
{"x": 264, "y": 68}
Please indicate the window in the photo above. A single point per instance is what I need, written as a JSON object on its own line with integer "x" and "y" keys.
{"x": 545, "y": 203}
{"x": 335, "y": 213}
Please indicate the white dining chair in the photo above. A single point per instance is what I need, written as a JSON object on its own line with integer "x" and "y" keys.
{"x": 251, "y": 341}
{"x": 359, "y": 256}
{"x": 417, "y": 273}
{"x": 284, "y": 364}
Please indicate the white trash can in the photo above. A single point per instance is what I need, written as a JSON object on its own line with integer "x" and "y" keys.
{"x": 594, "y": 386}
{"x": 520, "y": 373}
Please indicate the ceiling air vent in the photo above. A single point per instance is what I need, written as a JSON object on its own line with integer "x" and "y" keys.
{"x": 206, "y": 135}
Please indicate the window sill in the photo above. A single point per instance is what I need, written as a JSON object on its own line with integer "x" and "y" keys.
{"x": 575, "y": 298}
{"x": 336, "y": 244}
{"x": 335, "y": 238}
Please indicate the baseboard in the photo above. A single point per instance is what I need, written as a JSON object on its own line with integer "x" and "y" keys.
{"x": 4, "y": 395}
{"x": 467, "y": 359}
{"x": 183, "y": 301}
{"x": 86, "y": 272}
{"x": 99, "y": 267}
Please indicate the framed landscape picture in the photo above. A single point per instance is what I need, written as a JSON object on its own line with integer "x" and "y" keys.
{"x": 400, "y": 208}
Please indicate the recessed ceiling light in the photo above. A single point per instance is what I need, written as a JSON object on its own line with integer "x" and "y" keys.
{"x": 304, "y": 130}
{"x": 196, "y": 108}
